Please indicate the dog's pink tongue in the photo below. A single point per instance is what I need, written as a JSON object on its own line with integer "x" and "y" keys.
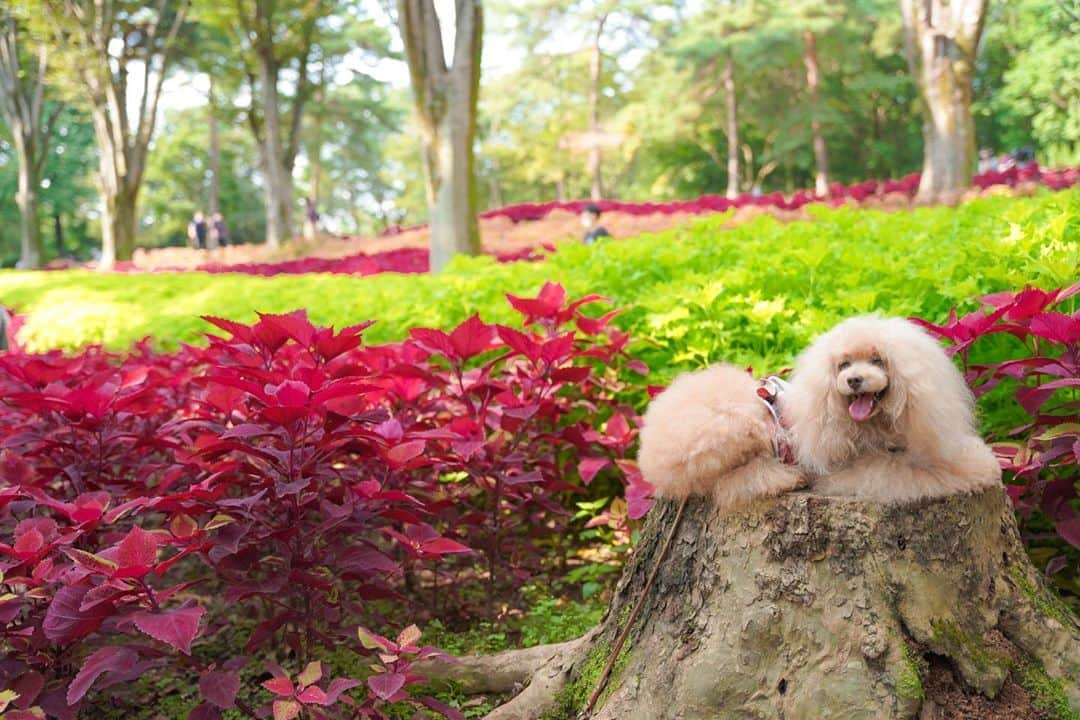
{"x": 861, "y": 407}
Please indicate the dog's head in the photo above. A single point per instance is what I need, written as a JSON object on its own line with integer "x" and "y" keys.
{"x": 862, "y": 379}
{"x": 873, "y": 376}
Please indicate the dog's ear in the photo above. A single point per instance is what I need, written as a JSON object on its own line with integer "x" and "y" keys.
{"x": 928, "y": 402}
{"x": 815, "y": 412}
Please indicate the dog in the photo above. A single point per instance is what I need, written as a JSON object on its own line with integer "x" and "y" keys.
{"x": 879, "y": 411}
{"x": 875, "y": 410}
{"x": 711, "y": 433}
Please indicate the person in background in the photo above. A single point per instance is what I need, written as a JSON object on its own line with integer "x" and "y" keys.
{"x": 311, "y": 219}
{"x": 590, "y": 216}
{"x": 219, "y": 233}
{"x": 1024, "y": 157}
{"x": 197, "y": 231}
{"x": 987, "y": 161}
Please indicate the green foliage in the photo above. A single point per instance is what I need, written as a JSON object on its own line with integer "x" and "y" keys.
{"x": 178, "y": 179}
{"x": 1029, "y": 86}
{"x": 695, "y": 294}
{"x": 66, "y": 192}
{"x": 554, "y": 619}
{"x": 347, "y": 130}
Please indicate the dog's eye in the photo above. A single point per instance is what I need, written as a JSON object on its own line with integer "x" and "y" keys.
{"x": 876, "y": 360}
{"x": 844, "y": 365}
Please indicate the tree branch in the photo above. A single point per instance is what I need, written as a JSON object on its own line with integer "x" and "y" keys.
{"x": 422, "y": 37}
{"x": 146, "y": 131}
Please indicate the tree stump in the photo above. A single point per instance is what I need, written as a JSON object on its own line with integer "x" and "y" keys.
{"x": 808, "y": 607}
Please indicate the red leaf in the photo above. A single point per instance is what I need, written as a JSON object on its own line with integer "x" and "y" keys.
{"x": 312, "y": 695}
{"x": 574, "y": 374}
{"x": 617, "y": 427}
{"x": 176, "y": 628}
{"x": 387, "y": 685}
{"x": 204, "y": 711}
{"x": 339, "y": 686}
{"x": 290, "y": 394}
{"x": 1070, "y": 530}
{"x": 286, "y": 709}
{"x": 14, "y": 470}
{"x": 588, "y": 468}
{"x": 1056, "y": 326}
{"x": 104, "y": 660}
{"x": 471, "y": 338}
{"x": 280, "y": 686}
{"x": 442, "y": 708}
{"x": 294, "y": 325}
{"x": 220, "y": 687}
{"x": 237, "y": 330}
{"x": 137, "y": 551}
{"x": 520, "y": 343}
{"x": 435, "y": 341}
{"x": 29, "y": 685}
{"x": 546, "y": 305}
{"x": 401, "y": 454}
{"x": 444, "y": 546}
{"x": 64, "y": 621}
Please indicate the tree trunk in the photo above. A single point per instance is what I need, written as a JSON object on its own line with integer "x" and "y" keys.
{"x": 58, "y": 232}
{"x": 732, "y": 125}
{"x": 453, "y": 212}
{"x": 314, "y": 151}
{"x": 810, "y": 607}
{"x": 595, "y": 76}
{"x": 446, "y": 112}
{"x": 213, "y": 161}
{"x": 30, "y": 255}
{"x": 821, "y": 162}
{"x": 22, "y": 96}
{"x": 941, "y": 42}
{"x": 118, "y": 221}
{"x": 278, "y": 179}
{"x": 311, "y": 227}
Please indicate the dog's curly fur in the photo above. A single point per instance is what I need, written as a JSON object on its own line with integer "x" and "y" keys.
{"x": 919, "y": 437}
{"x": 875, "y": 409}
{"x": 709, "y": 433}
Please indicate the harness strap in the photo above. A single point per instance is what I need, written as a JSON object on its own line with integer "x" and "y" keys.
{"x": 771, "y": 392}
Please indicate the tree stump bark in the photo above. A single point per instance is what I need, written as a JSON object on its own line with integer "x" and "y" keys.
{"x": 809, "y": 607}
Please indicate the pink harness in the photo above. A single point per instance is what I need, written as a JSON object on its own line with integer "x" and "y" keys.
{"x": 771, "y": 391}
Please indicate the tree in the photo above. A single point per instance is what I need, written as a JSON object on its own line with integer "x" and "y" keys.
{"x": 22, "y": 101}
{"x": 350, "y": 115}
{"x": 807, "y": 607}
{"x": 941, "y": 42}
{"x": 179, "y": 177}
{"x": 273, "y": 37}
{"x": 105, "y": 44}
{"x": 284, "y": 50}
{"x": 345, "y": 142}
{"x": 706, "y": 44}
{"x": 445, "y": 98}
{"x": 1028, "y": 83}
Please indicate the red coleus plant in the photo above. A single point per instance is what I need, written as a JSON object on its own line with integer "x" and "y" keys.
{"x": 270, "y": 487}
{"x": 1042, "y": 364}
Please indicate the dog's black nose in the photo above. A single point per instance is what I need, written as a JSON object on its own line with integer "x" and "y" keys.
{"x": 854, "y": 382}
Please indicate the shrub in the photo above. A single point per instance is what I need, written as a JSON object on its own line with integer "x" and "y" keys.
{"x": 293, "y": 485}
{"x": 1035, "y": 361}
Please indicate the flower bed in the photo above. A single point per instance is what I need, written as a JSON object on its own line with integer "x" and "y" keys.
{"x": 191, "y": 516}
